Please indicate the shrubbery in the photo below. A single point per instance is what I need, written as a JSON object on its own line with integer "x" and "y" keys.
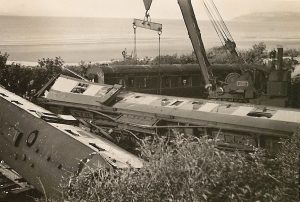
{"x": 25, "y": 81}
{"x": 188, "y": 169}
{"x": 216, "y": 55}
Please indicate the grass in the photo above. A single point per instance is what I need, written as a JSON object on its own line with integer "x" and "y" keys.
{"x": 185, "y": 169}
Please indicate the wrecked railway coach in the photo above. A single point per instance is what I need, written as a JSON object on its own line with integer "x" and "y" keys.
{"x": 270, "y": 87}
{"x": 184, "y": 80}
{"x": 46, "y": 148}
{"x": 112, "y": 108}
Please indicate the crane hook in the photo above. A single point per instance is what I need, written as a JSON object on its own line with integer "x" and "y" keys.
{"x": 147, "y": 4}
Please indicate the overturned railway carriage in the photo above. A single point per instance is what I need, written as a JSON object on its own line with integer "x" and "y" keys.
{"x": 176, "y": 80}
{"x": 234, "y": 125}
{"x": 263, "y": 85}
{"x": 46, "y": 148}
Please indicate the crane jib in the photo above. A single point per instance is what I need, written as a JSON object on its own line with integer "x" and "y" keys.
{"x": 195, "y": 37}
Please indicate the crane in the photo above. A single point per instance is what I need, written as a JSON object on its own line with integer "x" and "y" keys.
{"x": 247, "y": 86}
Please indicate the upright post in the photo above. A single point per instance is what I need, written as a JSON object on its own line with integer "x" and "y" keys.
{"x": 280, "y": 58}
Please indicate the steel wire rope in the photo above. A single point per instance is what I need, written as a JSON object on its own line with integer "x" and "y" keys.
{"x": 218, "y": 18}
{"x": 215, "y": 19}
{"x": 159, "y": 69}
{"x": 221, "y": 19}
{"x": 134, "y": 48}
{"x": 214, "y": 24}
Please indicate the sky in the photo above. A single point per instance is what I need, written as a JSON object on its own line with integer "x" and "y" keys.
{"x": 135, "y": 8}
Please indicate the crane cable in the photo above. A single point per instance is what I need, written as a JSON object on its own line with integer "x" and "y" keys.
{"x": 223, "y": 24}
{"x": 147, "y": 18}
{"x": 222, "y": 21}
{"x": 134, "y": 48}
{"x": 221, "y": 27}
{"x": 219, "y": 33}
{"x": 218, "y": 22}
{"x": 159, "y": 68}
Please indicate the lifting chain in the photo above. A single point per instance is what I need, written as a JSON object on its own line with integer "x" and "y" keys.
{"x": 152, "y": 26}
{"x": 147, "y": 4}
{"x": 159, "y": 69}
{"x": 147, "y": 17}
{"x": 135, "y": 43}
{"x": 134, "y": 48}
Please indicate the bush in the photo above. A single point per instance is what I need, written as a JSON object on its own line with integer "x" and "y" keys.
{"x": 291, "y": 53}
{"x": 25, "y": 81}
{"x": 186, "y": 169}
{"x": 175, "y": 59}
{"x": 215, "y": 55}
{"x": 52, "y": 66}
{"x": 255, "y": 55}
{"x": 220, "y": 55}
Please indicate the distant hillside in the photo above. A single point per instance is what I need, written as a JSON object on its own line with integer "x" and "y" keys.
{"x": 270, "y": 16}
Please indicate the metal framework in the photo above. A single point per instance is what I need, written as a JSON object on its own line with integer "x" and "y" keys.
{"x": 150, "y": 114}
{"x": 46, "y": 148}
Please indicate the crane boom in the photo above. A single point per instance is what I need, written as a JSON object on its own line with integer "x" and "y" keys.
{"x": 196, "y": 39}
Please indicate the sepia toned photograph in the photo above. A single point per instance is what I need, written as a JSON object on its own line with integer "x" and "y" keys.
{"x": 149, "y": 100}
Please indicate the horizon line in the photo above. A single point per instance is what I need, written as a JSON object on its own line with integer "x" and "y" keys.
{"x": 110, "y": 17}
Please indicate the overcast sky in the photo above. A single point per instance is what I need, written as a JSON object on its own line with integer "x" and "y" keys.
{"x": 135, "y": 8}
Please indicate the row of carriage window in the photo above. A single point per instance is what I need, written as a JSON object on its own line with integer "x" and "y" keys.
{"x": 146, "y": 82}
{"x": 153, "y": 82}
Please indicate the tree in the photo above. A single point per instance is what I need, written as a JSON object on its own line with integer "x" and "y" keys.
{"x": 256, "y": 54}
{"x": 220, "y": 55}
{"x": 175, "y": 59}
{"x": 291, "y": 53}
{"x": 52, "y": 66}
{"x": 3, "y": 68}
{"x": 3, "y": 59}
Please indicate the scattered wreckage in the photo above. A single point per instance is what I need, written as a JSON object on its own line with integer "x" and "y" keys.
{"x": 111, "y": 109}
{"x": 45, "y": 148}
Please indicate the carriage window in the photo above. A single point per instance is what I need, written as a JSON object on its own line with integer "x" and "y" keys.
{"x": 167, "y": 82}
{"x": 71, "y": 132}
{"x": 146, "y": 82}
{"x": 196, "y": 81}
{"x": 122, "y": 82}
{"x": 16, "y": 102}
{"x": 130, "y": 82}
{"x": 174, "y": 81}
{"x": 96, "y": 79}
{"x": 186, "y": 81}
{"x": 177, "y": 103}
{"x": 4, "y": 95}
{"x": 80, "y": 88}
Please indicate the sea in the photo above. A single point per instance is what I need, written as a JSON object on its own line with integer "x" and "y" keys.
{"x": 29, "y": 39}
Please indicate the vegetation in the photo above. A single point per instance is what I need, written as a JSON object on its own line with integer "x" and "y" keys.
{"x": 185, "y": 169}
{"x": 292, "y": 53}
{"x": 256, "y": 54}
{"x": 216, "y": 55}
{"x": 25, "y": 81}
{"x": 52, "y": 66}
